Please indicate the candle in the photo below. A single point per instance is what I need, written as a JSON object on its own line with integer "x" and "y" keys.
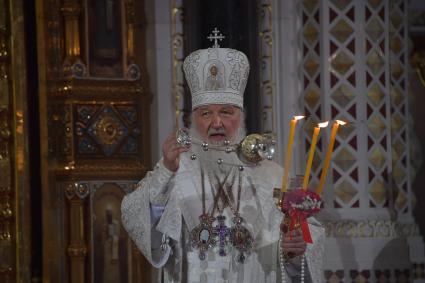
{"x": 289, "y": 151}
{"x": 328, "y": 155}
{"x": 311, "y": 153}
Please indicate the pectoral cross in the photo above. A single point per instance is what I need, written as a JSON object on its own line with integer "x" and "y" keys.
{"x": 216, "y": 37}
{"x": 223, "y": 233}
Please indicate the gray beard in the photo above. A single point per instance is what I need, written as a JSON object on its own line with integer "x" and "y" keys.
{"x": 240, "y": 134}
{"x": 208, "y": 159}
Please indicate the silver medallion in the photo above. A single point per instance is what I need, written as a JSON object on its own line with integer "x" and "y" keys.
{"x": 241, "y": 239}
{"x": 183, "y": 137}
{"x": 202, "y": 236}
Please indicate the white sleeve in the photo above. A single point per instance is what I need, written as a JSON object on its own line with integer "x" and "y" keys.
{"x": 138, "y": 219}
{"x": 160, "y": 246}
{"x": 157, "y": 182}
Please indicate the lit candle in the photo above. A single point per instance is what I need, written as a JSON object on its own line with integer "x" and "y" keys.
{"x": 289, "y": 151}
{"x": 328, "y": 155}
{"x": 311, "y": 153}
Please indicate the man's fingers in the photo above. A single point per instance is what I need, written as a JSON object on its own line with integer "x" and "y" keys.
{"x": 294, "y": 242}
{"x": 169, "y": 142}
{"x": 170, "y": 138}
{"x": 171, "y": 151}
{"x": 295, "y": 252}
{"x": 295, "y": 233}
{"x": 176, "y": 149}
{"x": 174, "y": 153}
{"x": 289, "y": 241}
{"x": 294, "y": 238}
{"x": 295, "y": 246}
{"x": 284, "y": 227}
{"x": 182, "y": 149}
{"x": 171, "y": 147}
{"x": 290, "y": 249}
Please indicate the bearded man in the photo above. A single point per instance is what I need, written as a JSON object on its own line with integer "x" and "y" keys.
{"x": 206, "y": 215}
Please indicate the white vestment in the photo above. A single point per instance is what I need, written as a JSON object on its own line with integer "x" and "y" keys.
{"x": 181, "y": 195}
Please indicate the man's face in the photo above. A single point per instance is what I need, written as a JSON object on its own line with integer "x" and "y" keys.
{"x": 216, "y": 123}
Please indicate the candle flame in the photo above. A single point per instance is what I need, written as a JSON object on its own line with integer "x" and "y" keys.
{"x": 340, "y": 122}
{"x": 298, "y": 117}
{"x": 323, "y": 125}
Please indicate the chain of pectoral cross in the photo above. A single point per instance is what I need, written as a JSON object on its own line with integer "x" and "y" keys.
{"x": 221, "y": 230}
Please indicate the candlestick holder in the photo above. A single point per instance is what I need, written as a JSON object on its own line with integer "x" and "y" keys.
{"x": 294, "y": 183}
{"x": 297, "y": 205}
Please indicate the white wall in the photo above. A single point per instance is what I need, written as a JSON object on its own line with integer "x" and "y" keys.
{"x": 159, "y": 70}
{"x": 286, "y": 76}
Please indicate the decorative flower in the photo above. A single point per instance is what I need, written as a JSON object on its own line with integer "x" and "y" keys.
{"x": 298, "y": 205}
{"x": 306, "y": 202}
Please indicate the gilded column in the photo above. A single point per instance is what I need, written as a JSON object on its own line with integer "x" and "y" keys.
{"x": 92, "y": 128}
{"x": 77, "y": 248}
{"x": 177, "y": 56}
{"x": 14, "y": 203}
{"x": 7, "y": 267}
{"x": 73, "y": 65}
{"x": 133, "y": 70}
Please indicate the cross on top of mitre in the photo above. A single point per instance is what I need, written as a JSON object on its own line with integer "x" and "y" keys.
{"x": 216, "y": 37}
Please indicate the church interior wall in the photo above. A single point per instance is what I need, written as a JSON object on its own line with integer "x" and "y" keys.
{"x": 159, "y": 72}
{"x": 159, "y": 50}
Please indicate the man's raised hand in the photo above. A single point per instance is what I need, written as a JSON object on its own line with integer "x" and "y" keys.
{"x": 171, "y": 151}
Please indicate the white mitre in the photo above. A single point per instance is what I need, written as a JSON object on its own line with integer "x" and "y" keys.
{"x": 216, "y": 76}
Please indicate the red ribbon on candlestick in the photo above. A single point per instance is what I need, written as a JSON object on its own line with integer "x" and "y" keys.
{"x": 298, "y": 205}
{"x": 300, "y": 219}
